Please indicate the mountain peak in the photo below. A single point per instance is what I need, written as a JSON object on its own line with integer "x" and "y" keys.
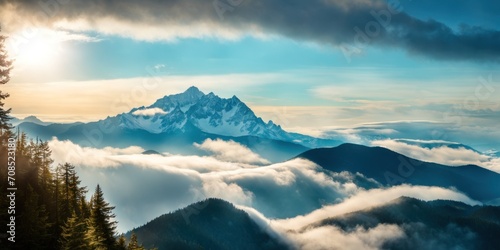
{"x": 184, "y": 100}
{"x": 193, "y": 90}
{"x": 217, "y": 225}
{"x": 212, "y": 114}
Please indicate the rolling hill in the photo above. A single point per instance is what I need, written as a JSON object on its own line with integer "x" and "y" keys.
{"x": 390, "y": 168}
{"x": 209, "y": 224}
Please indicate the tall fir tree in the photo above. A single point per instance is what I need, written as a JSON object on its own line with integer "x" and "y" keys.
{"x": 5, "y": 62}
{"x": 102, "y": 219}
{"x": 5, "y": 129}
{"x": 94, "y": 237}
{"x": 5, "y": 126}
{"x": 5, "y": 68}
{"x": 33, "y": 223}
{"x": 122, "y": 243}
{"x": 73, "y": 234}
{"x": 71, "y": 193}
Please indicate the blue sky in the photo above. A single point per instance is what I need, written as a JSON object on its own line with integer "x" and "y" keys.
{"x": 285, "y": 59}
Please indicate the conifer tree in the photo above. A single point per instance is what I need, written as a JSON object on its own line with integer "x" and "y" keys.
{"x": 45, "y": 163}
{"x": 33, "y": 229}
{"x": 5, "y": 67}
{"x": 71, "y": 193}
{"x": 5, "y": 62}
{"x": 94, "y": 237}
{"x": 5, "y": 126}
{"x": 73, "y": 234}
{"x": 134, "y": 244}
{"x": 121, "y": 243}
{"x": 102, "y": 219}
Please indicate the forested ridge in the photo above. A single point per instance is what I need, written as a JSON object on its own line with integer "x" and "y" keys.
{"x": 43, "y": 205}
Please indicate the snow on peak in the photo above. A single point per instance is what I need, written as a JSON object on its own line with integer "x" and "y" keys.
{"x": 208, "y": 113}
{"x": 185, "y": 100}
{"x": 149, "y": 112}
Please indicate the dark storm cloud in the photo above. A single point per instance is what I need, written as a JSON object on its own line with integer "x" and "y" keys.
{"x": 349, "y": 25}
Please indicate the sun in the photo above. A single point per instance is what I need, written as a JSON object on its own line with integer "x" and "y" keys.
{"x": 40, "y": 51}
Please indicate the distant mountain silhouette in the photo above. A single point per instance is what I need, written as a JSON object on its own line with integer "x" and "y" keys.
{"x": 33, "y": 119}
{"x": 391, "y": 168}
{"x": 436, "y": 144}
{"x": 435, "y": 224}
{"x": 209, "y": 224}
{"x": 151, "y": 152}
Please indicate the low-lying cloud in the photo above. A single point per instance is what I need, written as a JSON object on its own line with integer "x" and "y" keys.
{"x": 285, "y": 199}
{"x": 163, "y": 183}
{"x": 303, "y": 232}
{"x": 149, "y": 112}
{"x": 442, "y": 154}
{"x": 330, "y": 237}
{"x": 375, "y": 197}
{"x": 231, "y": 151}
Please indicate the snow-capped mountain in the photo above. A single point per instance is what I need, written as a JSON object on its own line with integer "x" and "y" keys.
{"x": 206, "y": 112}
{"x": 175, "y": 123}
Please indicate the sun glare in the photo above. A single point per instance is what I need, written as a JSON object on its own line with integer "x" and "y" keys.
{"x": 40, "y": 51}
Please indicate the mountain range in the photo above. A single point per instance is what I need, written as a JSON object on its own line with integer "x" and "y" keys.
{"x": 390, "y": 168}
{"x": 32, "y": 119}
{"x": 173, "y": 123}
{"x": 177, "y": 123}
{"x": 435, "y": 224}
{"x": 438, "y": 224}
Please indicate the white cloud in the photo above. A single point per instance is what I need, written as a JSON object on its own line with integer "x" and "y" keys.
{"x": 123, "y": 151}
{"x": 227, "y": 191}
{"x": 231, "y": 151}
{"x": 493, "y": 164}
{"x": 299, "y": 232}
{"x": 66, "y": 151}
{"x": 443, "y": 154}
{"x": 159, "y": 67}
{"x": 375, "y": 197}
{"x": 298, "y": 182}
{"x": 284, "y": 189}
{"x": 149, "y": 112}
{"x": 326, "y": 237}
{"x": 330, "y": 237}
{"x": 297, "y": 188}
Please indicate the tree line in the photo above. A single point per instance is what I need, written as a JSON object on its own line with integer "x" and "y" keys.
{"x": 51, "y": 210}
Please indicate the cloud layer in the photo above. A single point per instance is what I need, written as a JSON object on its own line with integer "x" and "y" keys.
{"x": 348, "y": 25}
{"x": 134, "y": 182}
{"x": 442, "y": 154}
{"x": 231, "y": 151}
{"x": 298, "y": 189}
{"x": 302, "y": 232}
